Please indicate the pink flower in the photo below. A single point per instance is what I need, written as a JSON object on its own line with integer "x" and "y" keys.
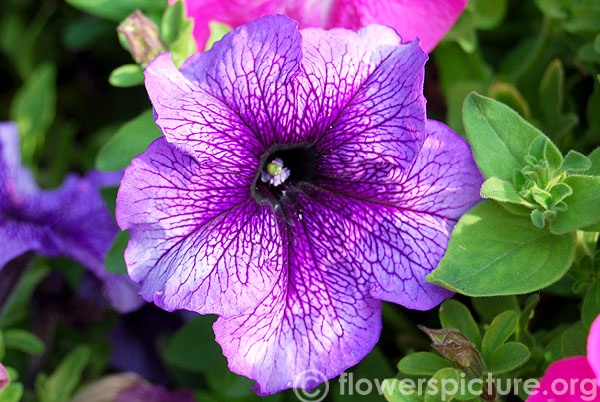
{"x": 4, "y": 380}
{"x": 575, "y": 378}
{"x": 428, "y": 20}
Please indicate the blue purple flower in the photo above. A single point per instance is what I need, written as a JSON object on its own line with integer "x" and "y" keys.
{"x": 298, "y": 184}
{"x": 71, "y": 220}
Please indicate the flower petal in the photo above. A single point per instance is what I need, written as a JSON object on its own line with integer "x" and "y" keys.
{"x": 80, "y": 227}
{"x": 427, "y": 20}
{"x": 4, "y": 379}
{"x": 567, "y": 380}
{"x": 440, "y": 186}
{"x": 364, "y": 94}
{"x": 198, "y": 241}
{"x": 593, "y": 347}
{"x": 230, "y": 103}
{"x": 407, "y": 216}
{"x": 71, "y": 220}
{"x": 319, "y": 319}
{"x": 232, "y": 12}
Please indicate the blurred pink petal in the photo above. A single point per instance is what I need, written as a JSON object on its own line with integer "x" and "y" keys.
{"x": 554, "y": 385}
{"x": 428, "y": 20}
{"x": 593, "y": 347}
{"x": 4, "y": 380}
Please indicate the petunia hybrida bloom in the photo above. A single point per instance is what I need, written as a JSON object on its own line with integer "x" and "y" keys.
{"x": 574, "y": 378}
{"x": 72, "y": 220}
{"x": 427, "y": 20}
{"x": 298, "y": 184}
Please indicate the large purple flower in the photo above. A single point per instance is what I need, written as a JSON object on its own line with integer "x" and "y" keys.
{"x": 297, "y": 185}
{"x": 71, "y": 220}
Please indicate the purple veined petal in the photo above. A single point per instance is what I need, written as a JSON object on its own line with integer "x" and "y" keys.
{"x": 318, "y": 320}
{"x": 198, "y": 241}
{"x": 228, "y": 105}
{"x": 404, "y": 218}
{"x": 427, "y": 20}
{"x": 364, "y": 96}
{"x": 251, "y": 70}
{"x": 440, "y": 186}
{"x": 197, "y": 123}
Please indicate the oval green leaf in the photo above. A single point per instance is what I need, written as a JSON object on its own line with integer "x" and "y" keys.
{"x": 493, "y": 253}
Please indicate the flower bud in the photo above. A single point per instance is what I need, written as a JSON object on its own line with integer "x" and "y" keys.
{"x": 457, "y": 349}
{"x": 143, "y": 37}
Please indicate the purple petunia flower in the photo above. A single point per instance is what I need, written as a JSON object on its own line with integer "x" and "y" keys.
{"x": 71, "y": 220}
{"x": 298, "y": 184}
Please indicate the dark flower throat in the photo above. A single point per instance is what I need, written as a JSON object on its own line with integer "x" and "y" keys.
{"x": 299, "y": 159}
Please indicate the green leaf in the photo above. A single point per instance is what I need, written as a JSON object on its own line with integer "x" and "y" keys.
{"x": 185, "y": 45}
{"x": 117, "y": 10}
{"x": 127, "y": 75}
{"x": 489, "y": 14}
{"x": 129, "y": 141}
{"x": 454, "y": 314}
{"x": 551, "y": 90}
{"x": 59, "y": 386}
{"x": 574, "y": 341}
{"x": 584, "y": 17}
{"x": 591, "y": 305}
{"x": 489, "y": 307}
{"x": 34, "y": 108}
{"x": 510, "y": 96}
{"x": 594, "y": 157}
{"x": 199, "y": 360}
{"x": 538, "y": 218}
{"x": 490, "y": 243}
{"x": 399, "y": 390}
{"x": 574, "y": 162}
{"x": 84, "y": 33}
{"x": 217, "y": 31}
{"x": 526, "y": 315}
{"x": 12, "y": 393}
{"x": 501, "y": 190}
{"x": 172, "y": 22}
{"x": 442, "y": 386}
{"x": 501, "y": 328}
{"x": 584, "y": 205}
{"x": 24, "y": 341}
{"x": 17, "y": 305}
{"x": 507, "y": 357}
{"x": 373, "y": 368}
{"x": 464, "y": 32}
{"x": 114, "y": 261}
{"x": 422, "y": 363}
{"x": 557, "y": 9}
{"x": 498, "y": 136}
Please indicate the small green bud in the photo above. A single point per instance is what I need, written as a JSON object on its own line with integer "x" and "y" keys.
{"x": 143, "y": 37}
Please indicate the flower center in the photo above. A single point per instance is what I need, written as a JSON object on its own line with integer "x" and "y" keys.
{"x": 275, "y": 173}
{"x": 282, "y": 169}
